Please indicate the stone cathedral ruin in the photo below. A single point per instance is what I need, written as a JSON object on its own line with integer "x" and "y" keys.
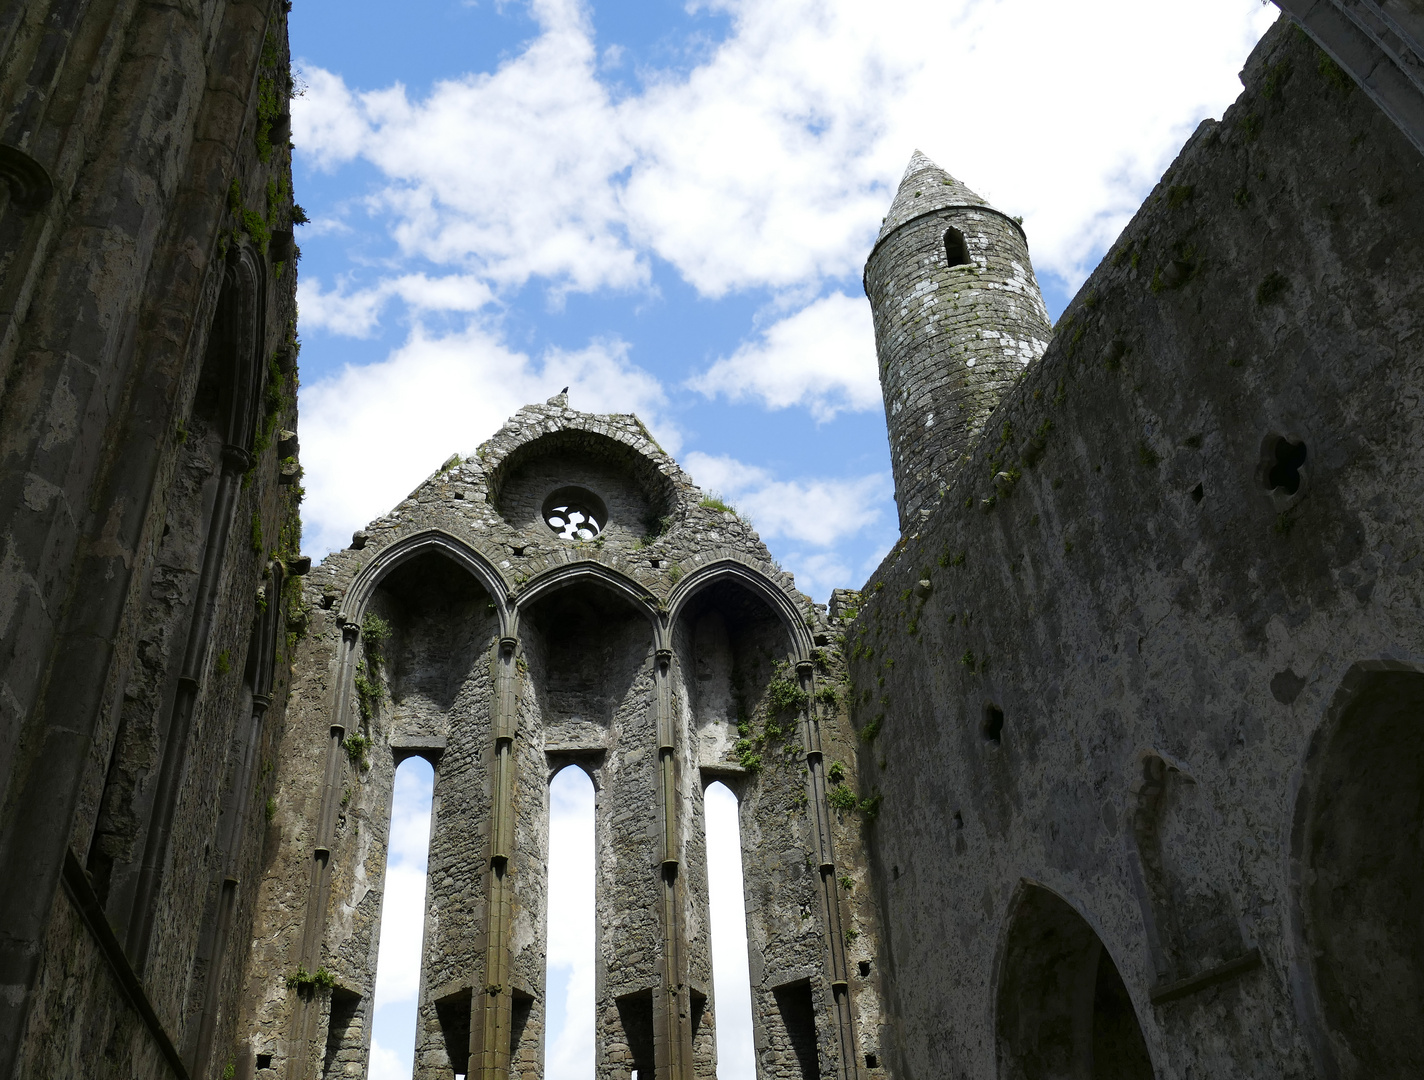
{"x": 1114, "y": 768}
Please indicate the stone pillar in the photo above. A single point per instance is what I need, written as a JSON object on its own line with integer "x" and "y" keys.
{"x": 307, "y": 1018}
{"x": 847, "y": 1064}
{"x": 672, "y": 1004}
{"x": 491, "y": 1004}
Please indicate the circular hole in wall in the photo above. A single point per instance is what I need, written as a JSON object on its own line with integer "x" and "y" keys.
{"x": 575, "y": 513}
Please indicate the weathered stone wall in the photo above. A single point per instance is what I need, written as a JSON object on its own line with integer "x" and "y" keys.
{"x": 1106, "y": 673}
{"x": 603, "y": 660}
{"x": 147, "y": 350}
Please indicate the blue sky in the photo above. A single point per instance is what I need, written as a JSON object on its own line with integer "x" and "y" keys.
{"x": 667, "y": 206}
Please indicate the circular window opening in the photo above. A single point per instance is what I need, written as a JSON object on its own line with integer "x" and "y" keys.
{"x": 575, "y": 513}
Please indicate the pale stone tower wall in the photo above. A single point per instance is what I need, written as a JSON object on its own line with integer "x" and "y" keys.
{"x": 958, "y": 316}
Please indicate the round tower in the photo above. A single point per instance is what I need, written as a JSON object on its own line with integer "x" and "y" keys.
{"x": 958, "y": 316}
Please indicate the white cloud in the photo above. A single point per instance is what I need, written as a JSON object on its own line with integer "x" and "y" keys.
{"x": 356, "y": 313}
{"x": 822, "y": 357}
{"x": 816, "y": 518}
{"x": 386, "y": 1064}
{"x": 770, "y": 164}
{"x": 508, "y": 173}
{"x": 819, "y": 512}
{"x": 371, "y": 434}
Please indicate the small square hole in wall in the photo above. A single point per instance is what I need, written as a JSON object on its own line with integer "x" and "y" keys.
{"x": 656, "y": 564}
{"x": 864, "y": 968}
{"x": 993, "y": 723}
{"x": 264, "y": 1061}
{"x": 871, "y": 1061}
{"x": 517, "y": 551}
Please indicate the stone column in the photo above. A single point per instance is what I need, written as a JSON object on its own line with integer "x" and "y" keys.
{"x": 306, "y": 1020}
{"x": 491, "y": 1004}
{"x": 847, "y": 1065}
{"x": 672, "y": 1005}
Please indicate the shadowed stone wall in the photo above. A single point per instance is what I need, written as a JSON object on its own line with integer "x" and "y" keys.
{"x": 148, "y": 521}
{"x": 1108, "y": 669}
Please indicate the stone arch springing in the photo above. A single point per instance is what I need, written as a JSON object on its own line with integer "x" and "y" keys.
{"x": 1062, "y": 1009}
{"x": 1194, "y": 933}
{"x": 409, "y": 547}
{"x": 585, "y": 635}
{"x": 1358, "y": 872}
{"x": 235, "y": 365}
{"x": 640, "y": 489}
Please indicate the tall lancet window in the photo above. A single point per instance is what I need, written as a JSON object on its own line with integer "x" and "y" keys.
{"x": 731, "y": 980}
{"x": 568, "y": 984}
{"x": 402, "y": 923}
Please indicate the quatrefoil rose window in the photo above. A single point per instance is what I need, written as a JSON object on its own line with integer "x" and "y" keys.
{"x": 575, "y": 513}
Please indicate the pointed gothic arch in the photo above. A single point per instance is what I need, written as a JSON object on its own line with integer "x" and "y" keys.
{"x": 426, "y": 542}
{"x": 1357, "y": 868}
{"x": 588, "y": 572}
{"x": 1061, "y": 1008}
{"x": 753, "y": 581}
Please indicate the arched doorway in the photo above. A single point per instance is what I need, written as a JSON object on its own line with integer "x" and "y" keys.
{"x": 1063, "y": 1011}
{"x": 1363, "y": 886}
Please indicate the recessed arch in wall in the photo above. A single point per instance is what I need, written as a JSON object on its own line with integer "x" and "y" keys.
{"x": 585, "y": 637}
{"x": 752, "y": 581}
{"x": 732, "y": 644}
{"x": 1358, "y": 852}
{"x": 433, "y": 541}
{"x": 1061, "y": 1007}
{"x": 634, "y": 491}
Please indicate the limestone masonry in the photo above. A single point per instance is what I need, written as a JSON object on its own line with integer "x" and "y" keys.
{"x": 1114, "y": 768}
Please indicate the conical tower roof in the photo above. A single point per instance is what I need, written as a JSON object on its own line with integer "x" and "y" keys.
{"x": 925, "y": 187}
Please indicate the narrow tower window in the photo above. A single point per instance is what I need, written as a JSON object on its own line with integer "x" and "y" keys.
{"x": 402, "y": 921}
{"x": 731, "y": 980}
{"x": 955, "y": 249}
{"x": 568, "y": 1039}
